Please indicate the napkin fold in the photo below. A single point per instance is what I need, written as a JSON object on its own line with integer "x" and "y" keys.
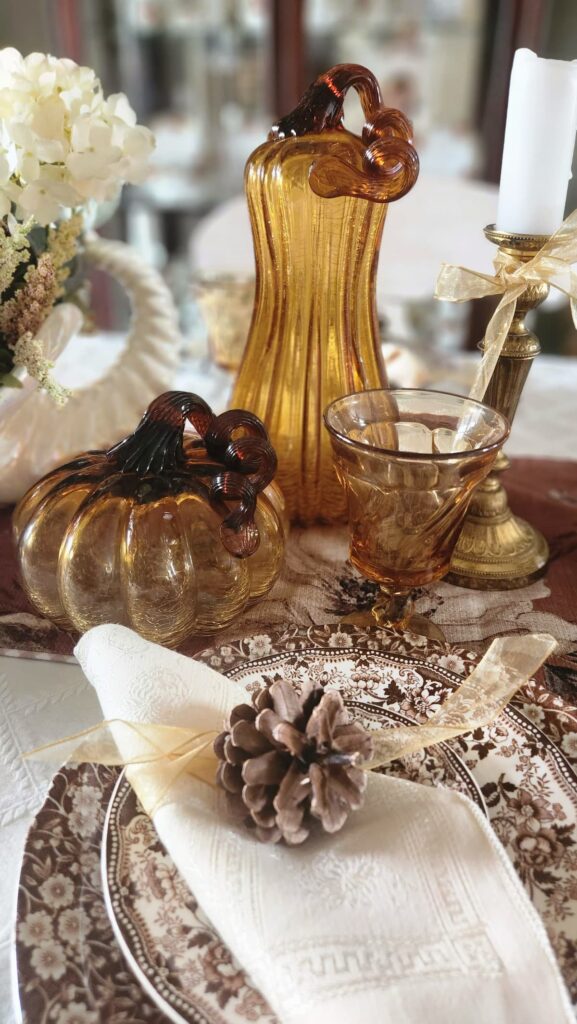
{"x": 412, "y": 912}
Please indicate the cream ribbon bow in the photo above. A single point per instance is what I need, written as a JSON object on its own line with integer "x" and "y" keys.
{"x": 551, "y": 265}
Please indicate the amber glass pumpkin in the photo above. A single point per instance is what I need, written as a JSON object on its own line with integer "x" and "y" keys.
{"x": 169, "y": 533}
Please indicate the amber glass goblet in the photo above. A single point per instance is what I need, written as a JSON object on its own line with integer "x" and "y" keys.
{"x": 226, "y": 302}
{"x": 409, "y": 462}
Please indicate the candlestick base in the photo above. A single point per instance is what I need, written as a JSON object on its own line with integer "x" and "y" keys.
{"x": 496, "y": 550}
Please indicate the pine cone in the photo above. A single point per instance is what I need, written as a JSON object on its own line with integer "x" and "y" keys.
{"x": 292, "y": 758}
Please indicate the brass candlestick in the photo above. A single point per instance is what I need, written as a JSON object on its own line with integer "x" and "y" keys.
{"x": 496, "y": 550}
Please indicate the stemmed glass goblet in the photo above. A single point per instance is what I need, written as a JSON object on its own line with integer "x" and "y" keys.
{"x": 409, "y": 462}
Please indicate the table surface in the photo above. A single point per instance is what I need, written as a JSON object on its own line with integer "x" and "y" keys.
{"x": 42, "y": 700}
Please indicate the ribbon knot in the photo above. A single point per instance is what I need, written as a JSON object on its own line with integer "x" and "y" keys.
{"x": 551, "y": 265}
{"x": 510, "y": 271}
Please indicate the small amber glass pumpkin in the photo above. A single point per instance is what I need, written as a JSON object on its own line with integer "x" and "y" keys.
{"x": 168, "y": 533}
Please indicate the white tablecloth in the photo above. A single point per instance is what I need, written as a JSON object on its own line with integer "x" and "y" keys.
{"x": 41, "y": 701}
{"x": 544, "y": 423}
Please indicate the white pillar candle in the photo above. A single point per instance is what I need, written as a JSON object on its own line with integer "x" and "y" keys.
{"x": 539, "y": 142}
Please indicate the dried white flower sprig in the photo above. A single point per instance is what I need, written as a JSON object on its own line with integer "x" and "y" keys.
{"x": 29, "y": 353}
{"x": 62, "y": 143}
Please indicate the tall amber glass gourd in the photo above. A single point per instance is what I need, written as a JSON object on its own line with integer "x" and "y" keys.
{"x": 317, "y": 197}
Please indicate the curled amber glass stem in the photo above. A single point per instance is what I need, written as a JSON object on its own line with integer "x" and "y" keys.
{"x": 389, "y": 166}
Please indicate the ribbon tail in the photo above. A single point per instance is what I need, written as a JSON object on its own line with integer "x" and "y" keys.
{"x": 495, "y": 335}
{"x": 459, "y": 284}
{"x": 562, "y": 245}
{"x": 508, "y": 664}
{"x": 155, "y": 756}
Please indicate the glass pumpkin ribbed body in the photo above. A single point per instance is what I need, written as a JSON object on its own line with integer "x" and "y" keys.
{"x": 314, "y": 332}
{"x": 147, "y": 549}
{"x": 317, "y": 198}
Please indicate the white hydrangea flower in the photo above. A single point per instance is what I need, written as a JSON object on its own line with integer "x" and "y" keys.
{"x": 62, "y": 143}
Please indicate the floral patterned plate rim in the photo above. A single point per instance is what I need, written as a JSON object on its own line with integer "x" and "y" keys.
{"x": 206, "y": 985}
{"x": 71, "y": 969}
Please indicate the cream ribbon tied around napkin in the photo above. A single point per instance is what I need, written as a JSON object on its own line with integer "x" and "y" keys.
{"x": 411, "y": 913}
{"x": 552, "y": 265}
{"x": 165, "y": 752}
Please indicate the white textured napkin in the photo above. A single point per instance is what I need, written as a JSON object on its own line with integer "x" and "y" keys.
{"x": 411, "y": 913}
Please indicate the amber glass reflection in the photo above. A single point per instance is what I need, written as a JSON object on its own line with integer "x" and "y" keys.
{"x": 317, "y": 198}
{"x": 409, "y": 462}
{"x": 226, "y": 303}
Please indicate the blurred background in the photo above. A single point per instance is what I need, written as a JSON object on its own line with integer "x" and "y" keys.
{"x": 211, "y": 76}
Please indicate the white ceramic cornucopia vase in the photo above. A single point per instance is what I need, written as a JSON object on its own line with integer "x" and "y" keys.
{"x": 35, "y": 434}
